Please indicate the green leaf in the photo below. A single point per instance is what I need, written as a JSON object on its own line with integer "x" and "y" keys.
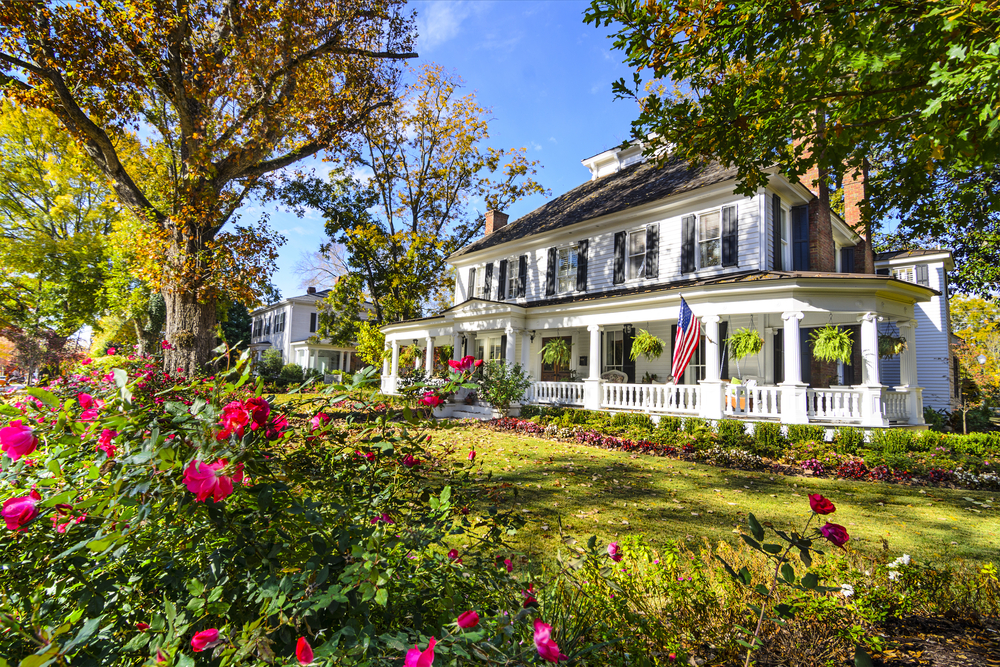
{"x": 806, "y": 557}
{"x": 752, "y": 543}
{"x": 861, "y": 657}
{"x": 788, "y": 573}
{"x": 10, "y": 411}
{"x": 195, "y": 588}
{"x": 810, "y": 580}
{"x": 382, "y": 596}
{"x": 773, "y": 549}
{"x": 755, "y": 528}
{"x": 45, "y": 397}
{"x": 121, "y": 377}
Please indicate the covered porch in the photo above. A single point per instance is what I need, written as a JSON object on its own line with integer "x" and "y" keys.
{"x": 783, "y": 382}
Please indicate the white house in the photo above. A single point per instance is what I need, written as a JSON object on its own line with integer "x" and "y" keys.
{"x": 290, "y": 327}
{"x": 615, "y": 255}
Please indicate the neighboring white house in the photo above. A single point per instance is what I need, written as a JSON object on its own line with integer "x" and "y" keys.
{"x": 288, "y": 326}
{"x": 615, "y": 255}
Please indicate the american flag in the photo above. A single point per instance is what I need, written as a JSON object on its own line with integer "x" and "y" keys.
{"x": 686, "y": 342}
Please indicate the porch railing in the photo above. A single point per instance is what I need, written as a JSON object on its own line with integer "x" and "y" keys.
{"x": 833, "y": 405}
{"x": 895, "y": 406}
{"x": 679, "y": 398}
{"x": 556, "y": 393}
{"x": 760, "y": 402}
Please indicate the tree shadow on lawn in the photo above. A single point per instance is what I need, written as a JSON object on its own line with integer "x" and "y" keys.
{"x": 669, "y": 499}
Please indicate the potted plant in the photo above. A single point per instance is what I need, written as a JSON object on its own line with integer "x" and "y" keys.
{"x": 557, "y": 352}
{"x": 744, "y": 343}
{"x": 831, "y": 343}
{"x": 647, "y": 345}
{"x": 889, "y": 345}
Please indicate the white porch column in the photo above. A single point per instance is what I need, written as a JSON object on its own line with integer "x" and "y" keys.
{"x": 470, "y": 341}
{"x": 386, "y": 367}
{"x": 456, "y": 345}
{"x": 793, "y": 390}
{"x": 511, "y": 345}
{"x": 592, "y": 385}
{"x": 908, "y": 373}
{"x": 526, "y": 352}
{"x": 429, "y": 361}
{"x": 347, "y": 361}
{"x": 872, "y": 412}
{"x": 395, "y": 368}
{"x": 712, "y": 389}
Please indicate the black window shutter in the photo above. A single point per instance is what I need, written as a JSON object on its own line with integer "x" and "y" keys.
{"x": 628, "y": 363}
{"x": 779, "y": 356}
{"x": 581, "y": 265}
{"x": 922, "y": 277}
{"x": 550, "y": 273}
{"x": 312, "y": 322}
{"x": 800, "y": 238}
{"x": 806, "y": 355}
{"x": 503, "y": 347}
{"x": 619, "y": 275}
{"x": 488, "y": 281}
{"x": 847, "y": 260}
{"x": 522, "y": 275}
{"x": 472, "y": 284}
{"x": 724, "y": 349}
{"x": 652, "y": 251}
{"x": 776, "y": 223}
{"x": 730, "y": 237}
{"x": 502, "y": 281}
{"x": 687, "y": 244}
{"x": 882, "y": 272}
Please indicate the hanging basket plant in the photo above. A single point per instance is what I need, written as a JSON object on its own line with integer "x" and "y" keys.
{"x": 745, "y": 343}
{"x": 647, "y": 345}
{"x": 832, "y": 343}
{"x": 889, "y": 346}
{"x": 557, "y": 352}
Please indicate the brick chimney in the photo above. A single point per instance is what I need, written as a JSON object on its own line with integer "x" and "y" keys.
{"x": 310, "y": 290}
{"x": 822, "y": 249}
{"x": 854, "y": 194}
{"x": 495, "y": 221}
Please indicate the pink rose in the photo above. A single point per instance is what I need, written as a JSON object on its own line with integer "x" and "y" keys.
{"x": 472, "y": 456}
{"x": 529, "y": 596}
{"x": 453, "y": 554}
{"x": 835, "y": 533}
{"x": 142, "y": 626}
{"x": 383, "y": 518}
{"x": 87, "y": 361}
{"x": 615, "y": 552}
{"x": 104, "y": 442}
{"x": 204, "y": 639}
{"x": 161, "y": 656}
{"x": 319, "y": 420}
{"x": 414, "y": 658}
{"x": 303, "y": 651}
{"x": 821, "y": 505}
{"x": 86, "y": 401}
{"x": 111, "y": 350}
{"x": 235, "y": 418}
{"x": 547, "y": 648}
{"x": 468, "y": 619}
{"x": 507, "y": 563}
{"x": 259, "y": 410}
{"x": 17, "y": 440}
{"x": 206, "y": 479}
{"x": 277, "y": 428}
{"x": 165, "y": 345}
{"x": 20, "y": 510}
{"x": 430, "y": 399}
{"x": 410, "y": 461}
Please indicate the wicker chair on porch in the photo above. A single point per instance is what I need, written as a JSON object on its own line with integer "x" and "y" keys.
{"x": 614, "y": 376}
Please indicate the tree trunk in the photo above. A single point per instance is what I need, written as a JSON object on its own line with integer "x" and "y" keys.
{"x": 190, "y": 330}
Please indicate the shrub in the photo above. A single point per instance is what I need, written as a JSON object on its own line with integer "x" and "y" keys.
{"x": 732, "y": 433}
{"x": 805, "y": 432}
{"x": 670, "y": 424}
{"x": 693, "y": 424}
{"x": 503, "y": 383}
{"x": 270, "y": 363}
{"x": 291, "y": 373}
{"x": 928, "y": 440}
{"x": 768, "y": 440}
{"x": 937, "y": 419}
{"x": 891, "y": 440}
{"x": 848, "y": 439}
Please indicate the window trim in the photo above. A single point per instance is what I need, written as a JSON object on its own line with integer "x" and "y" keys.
{"x": 569, "y": 247}
{"x": 629, "y": 278}
{"x": 513, "y": 267}
{"x": 698, "y": 239}
{"x": 785, "y": 236}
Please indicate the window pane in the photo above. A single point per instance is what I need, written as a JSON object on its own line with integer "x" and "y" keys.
{"x": 781, "y": 226}
{"x": 567, "y": 269}
{"x": 711, "y": 253}
{"x": 709, "y": 226}
{"x": 637, "y": 266}
{"x": 636, "y": 243}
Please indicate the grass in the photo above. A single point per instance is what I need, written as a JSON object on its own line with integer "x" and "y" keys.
{"x": 616, "y": 494}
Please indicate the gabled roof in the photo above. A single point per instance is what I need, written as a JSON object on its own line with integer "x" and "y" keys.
{"x": 632, "y": 186}
{"x": 901, "y": 254}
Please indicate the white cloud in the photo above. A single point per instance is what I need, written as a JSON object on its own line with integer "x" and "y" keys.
{"x": 440, "y": 22}
{"x": 535, "y": 146}
{"x": 552, "y": 139}
{"x": 597, "y": 87}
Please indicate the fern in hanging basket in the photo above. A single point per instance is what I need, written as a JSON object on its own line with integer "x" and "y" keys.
{"x": 647, "y": 345}
{"x": 745, "y": 343}
{"x": 889, "y": 346}
{"x": 832, "y": 344}
{"x": 557, "y": 352}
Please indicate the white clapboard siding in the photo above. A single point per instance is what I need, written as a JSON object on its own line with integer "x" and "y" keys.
{"x": 933, "y": 346}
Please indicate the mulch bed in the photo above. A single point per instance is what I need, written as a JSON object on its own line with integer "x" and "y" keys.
{"x": 939, "y": 642}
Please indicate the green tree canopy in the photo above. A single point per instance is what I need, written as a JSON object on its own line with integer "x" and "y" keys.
{"x": 912, "y": 86}
{"x": 428, "y": 166}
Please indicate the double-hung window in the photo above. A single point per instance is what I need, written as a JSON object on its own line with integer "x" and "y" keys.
{"x": 637, "y": 254}
{"x": 488, "y": 348}
{"x": 709, "y": 239}
{"x": 511, "y": 286}
{"x": 566, "y": 269}
{"x": 614, "y": 351}
{"x": 904, "y": 273}
{"x": 786, "y": 255}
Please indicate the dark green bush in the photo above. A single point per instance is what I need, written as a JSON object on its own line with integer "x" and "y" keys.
{"x": 936, "y": 419}
{"x": 291, "y": 373}
{"x": 848, "y": 440}
{"x": 670, "y": 424}
{"x": 692, "y": 424}
{"x": 768, "y": 440}
{"x": 732, "y": 433}
{"x": 806, "y": 432}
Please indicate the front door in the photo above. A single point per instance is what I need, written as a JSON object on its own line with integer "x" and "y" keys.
{"x": 555, "y": 372}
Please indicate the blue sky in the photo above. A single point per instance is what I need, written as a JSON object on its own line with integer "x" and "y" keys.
{"x": 545, "y": 75}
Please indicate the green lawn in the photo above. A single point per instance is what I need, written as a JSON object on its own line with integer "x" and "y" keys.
{"x": 616, "y": 494}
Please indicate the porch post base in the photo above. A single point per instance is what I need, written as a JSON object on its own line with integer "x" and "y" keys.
{"x": 793, "y": 403}
{"x": 915, "y": 405}
{"x": 872, "y": 413}
{"x": 592, "y": 394}
{"x": 388, "y": 384}
{"x": 713, "y": 393}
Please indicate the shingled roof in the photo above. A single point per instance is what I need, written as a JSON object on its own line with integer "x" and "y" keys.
{"x": 630, "y": 187}
{"x": 898, "y": 254}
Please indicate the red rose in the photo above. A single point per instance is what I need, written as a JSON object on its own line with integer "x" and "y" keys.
{"x": 835, "y": 533}
{"x": 821, "y": 505}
